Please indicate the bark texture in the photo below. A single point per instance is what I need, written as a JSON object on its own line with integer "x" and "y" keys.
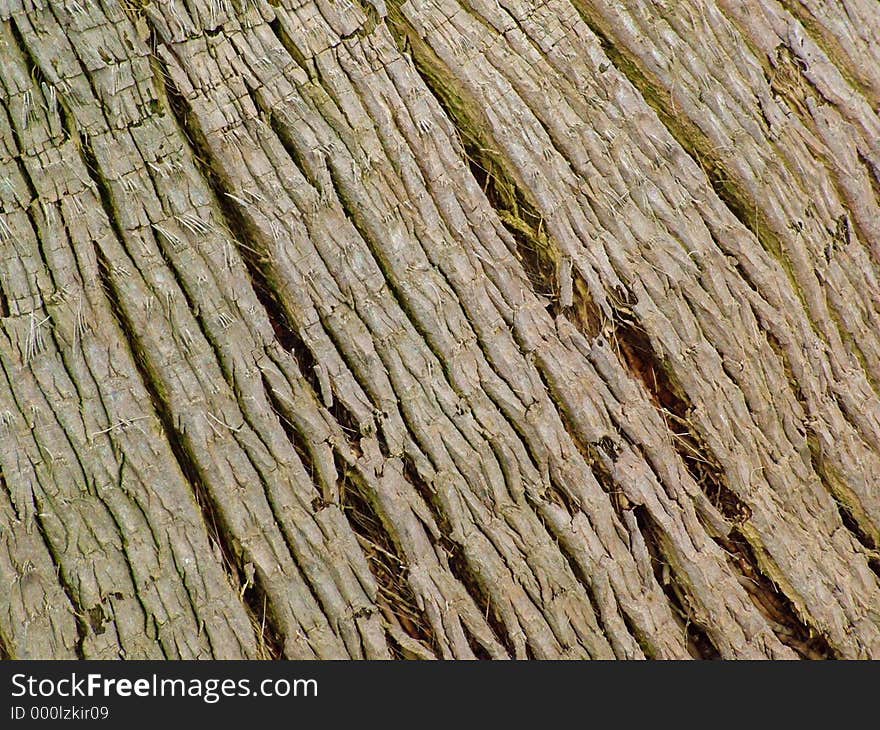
{"x": 440, "y": 329}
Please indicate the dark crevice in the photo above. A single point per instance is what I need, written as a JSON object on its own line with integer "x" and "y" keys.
{"x": 270, "y": 642}
{"x": 773, "y": 604}
{"x": 285, "y": 334}
{"x": 457, "y": 561}
{"x": 398, "y": 653}
{"x": 422, "y": 488}
{"x": 873, "y": 173}
{"x": 522, "y": 220}
{"x": 640, "y": 358}
{"x": 290, "y": 430}
{"x": 849, "y": 522}
{"x": 388, "y": 568}
{"x": 561, "y": 497}
{"x": 293, "y": 51}
{"x": 699, "y": 644}
{"x": 302, "y": 445}
{"x": 852, "y": 516}
{"x": 78, "y": 610}
{"x": 644, "y": 644}
{"x": 352, "y": 429}
{"x": 461, "y": 569}
{"x": 776, "y": 607}
{"x": 480, "y": 652}
{"x": 869, "y": 543}
{"x": 539, "y": 257}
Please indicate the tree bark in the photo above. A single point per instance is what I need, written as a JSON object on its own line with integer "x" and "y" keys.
{"x": 440, "y": 329}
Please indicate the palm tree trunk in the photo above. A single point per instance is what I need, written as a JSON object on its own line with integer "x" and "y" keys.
{"x": 446, "y": 328}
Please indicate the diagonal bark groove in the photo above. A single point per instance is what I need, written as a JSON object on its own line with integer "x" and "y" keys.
{"x": 699, "y": 644}
{"x": 464, "y": 330}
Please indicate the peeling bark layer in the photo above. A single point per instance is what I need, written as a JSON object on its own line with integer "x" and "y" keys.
{"x": 439, "y": 329}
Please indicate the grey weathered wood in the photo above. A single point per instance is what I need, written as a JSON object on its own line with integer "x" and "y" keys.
{"x": 440, "y": 328}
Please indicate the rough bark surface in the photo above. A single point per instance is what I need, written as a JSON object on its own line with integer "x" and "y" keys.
{"x": 439, "y": 329}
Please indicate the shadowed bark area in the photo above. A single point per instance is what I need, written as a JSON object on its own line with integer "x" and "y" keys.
{"x": 439, "y": 329}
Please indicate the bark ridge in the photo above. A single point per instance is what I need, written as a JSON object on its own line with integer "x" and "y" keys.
{"x": 439, "y": 329}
